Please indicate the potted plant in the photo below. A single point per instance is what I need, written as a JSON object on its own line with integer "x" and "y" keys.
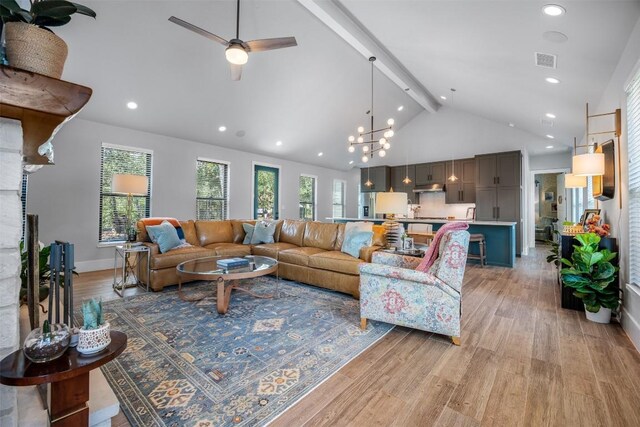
{"x": 590, "y": 274}
{"x": 94, "y": 336}
{"x": 30, "y": 43}
{"x": 47, "y": 343}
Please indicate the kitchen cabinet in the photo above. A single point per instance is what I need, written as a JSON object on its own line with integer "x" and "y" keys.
{"x": 398, "y": 174}
{"x": 498, "y": 170}
{"x": 498, "y": 190}
{"x": 464, "y": 189}
{"x": 430, "y": 173}
{"x": 380, "y": 176}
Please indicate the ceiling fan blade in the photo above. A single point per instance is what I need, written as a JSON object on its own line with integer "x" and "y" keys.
{"x": 199, "y": 30}
{"x": 236, "y": 71}
{"x": 270, "y": 44}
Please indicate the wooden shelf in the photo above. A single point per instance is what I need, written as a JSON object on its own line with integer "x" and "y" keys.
{"x": 43, "y": 104}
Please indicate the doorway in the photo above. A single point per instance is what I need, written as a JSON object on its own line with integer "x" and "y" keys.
{"x": 266, "y": 189}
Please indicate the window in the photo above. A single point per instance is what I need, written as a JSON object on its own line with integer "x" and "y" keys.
{"x": 212, "y": 195}
{"x": 633, "y": 125}
{"x": 266, "y": 190}
{"x": 23, "y": 202}
{"x": 113, "y": 206}
{"x": 338, "y": 198}
{"x": 307, "y": 197}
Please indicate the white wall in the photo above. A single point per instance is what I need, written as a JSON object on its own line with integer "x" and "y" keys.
{"x": 615, "y": 97}
{"x": 65, "y": 196}
{"x": 550, "y": 161}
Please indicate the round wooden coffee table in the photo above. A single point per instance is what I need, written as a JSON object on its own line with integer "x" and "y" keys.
{"x": 226, "y": 279}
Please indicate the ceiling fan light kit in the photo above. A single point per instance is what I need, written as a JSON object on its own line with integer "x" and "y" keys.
{"x": 237, "y": 51}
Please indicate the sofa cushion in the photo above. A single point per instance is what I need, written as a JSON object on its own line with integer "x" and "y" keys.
{"x": 298, "y": 256}
{"x": 238, "y": 230}
{"x": 292, "y": 232}
{"x": 320, "y": 235}
{"x": 214, "y": 232}
{"x": 143, "y": 223}
{"x": 271, "y": 249}
{"x": 189, "y": 230}
{"x": 164, "y": 235}
{"x": 339, "y": 237}
{"x": 176, "y": 256}
{"x": 335, "y": 261}
{"x": 379, "y": 236}
{"x": 230, "y": 249}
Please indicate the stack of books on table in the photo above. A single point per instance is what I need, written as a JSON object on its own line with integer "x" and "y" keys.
{"x": 233, "y": 263}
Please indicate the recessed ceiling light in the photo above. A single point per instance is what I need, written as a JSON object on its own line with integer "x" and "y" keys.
{"x": 278, "y": 143}
{"x": 400, "y": 108}
{"x": 552, "y": 80}
{"x": 132, "y": 105}
{"x": 511, "y": 125}
{"x": 222, "y": 128}
{"x": 553, "y": 10}
{"x": 320, "y": 154}
{"x": 550, "y": 115}
{"x": 351, "y": 162}
{"x": 548, "y": 147}
{"x": 444, "y": 98}
{"x": 550, "y": 136}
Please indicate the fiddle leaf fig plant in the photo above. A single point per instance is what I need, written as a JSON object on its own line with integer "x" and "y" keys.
{"x": 43, "y": 13}
{"x": 590, "y": 272}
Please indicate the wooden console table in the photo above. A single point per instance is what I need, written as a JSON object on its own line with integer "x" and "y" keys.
{"x": 69, "y": 378}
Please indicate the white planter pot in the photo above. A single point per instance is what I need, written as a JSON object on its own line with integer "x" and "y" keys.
{"x": 602, "y": 316}
{"x": 94, "y": 340}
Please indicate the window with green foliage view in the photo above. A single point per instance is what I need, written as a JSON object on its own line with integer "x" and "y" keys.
{"x": 212, "y": 197}
{"x": 307, "y": 198}
{"x": 265, "y": 192}
{"x": 113, "y": 206}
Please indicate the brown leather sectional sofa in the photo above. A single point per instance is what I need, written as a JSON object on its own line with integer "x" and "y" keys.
{"x": 307, "y": 252}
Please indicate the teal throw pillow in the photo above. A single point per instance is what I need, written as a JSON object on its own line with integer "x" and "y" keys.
{"x": 355, "y": 240}
{"x": 164, "y": 235}
{"x": 248, "y": 229}
{"x": 263, "y": 232}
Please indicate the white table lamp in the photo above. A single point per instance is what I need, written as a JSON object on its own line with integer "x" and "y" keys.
{"x": 392, "y": 204}
{"x": 131, "y": 185}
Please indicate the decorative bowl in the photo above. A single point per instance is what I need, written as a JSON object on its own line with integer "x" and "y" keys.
{"x": 91, "y": 341}
{"x": 40, "y": 347}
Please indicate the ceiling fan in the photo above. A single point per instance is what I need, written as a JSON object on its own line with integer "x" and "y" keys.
{"x": 237, "y": 51}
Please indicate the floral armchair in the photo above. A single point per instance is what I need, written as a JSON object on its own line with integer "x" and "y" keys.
{"x": 392, "y": 291}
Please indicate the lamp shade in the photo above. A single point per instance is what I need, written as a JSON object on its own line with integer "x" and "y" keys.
{"x": 129, "y": 184}
{"x": 572, "y": 181}
{"x": 391, "y": 203}
{"x": 589, "y": 164}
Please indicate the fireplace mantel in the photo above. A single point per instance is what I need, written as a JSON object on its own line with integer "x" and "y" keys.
{"x": 42, "y": 104}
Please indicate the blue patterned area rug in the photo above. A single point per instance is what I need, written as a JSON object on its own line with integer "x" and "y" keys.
{"x": 187, "y": 365}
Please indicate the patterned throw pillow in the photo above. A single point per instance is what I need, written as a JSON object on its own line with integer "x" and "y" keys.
{"x": 263, "y": 232}
{"x": 354, "y": 240}
{"x": 164, "y": 235}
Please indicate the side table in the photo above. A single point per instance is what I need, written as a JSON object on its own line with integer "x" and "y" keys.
{"x": 69, "y": 378}
{"x": 131, "y": 257}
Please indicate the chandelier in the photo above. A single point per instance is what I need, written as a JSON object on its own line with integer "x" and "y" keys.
{"x": 371, "y": 141}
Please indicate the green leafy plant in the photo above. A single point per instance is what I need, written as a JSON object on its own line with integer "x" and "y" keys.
{"x": 92, "y": 314}
{"x": 554, "y": 252}
{"x": 43, "y": 13}
{"x": 590, "y": 273}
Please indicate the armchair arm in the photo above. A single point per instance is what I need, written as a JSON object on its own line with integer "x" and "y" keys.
{"x": 408, "y": 275}
{"x": 154, "y": 249}
{"x": 367, "y": 252}
{"x": 395, "y": 260}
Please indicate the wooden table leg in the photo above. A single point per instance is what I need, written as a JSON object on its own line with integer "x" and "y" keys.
{"x": 68, "y": 402}
{"x": 224, "y": 295}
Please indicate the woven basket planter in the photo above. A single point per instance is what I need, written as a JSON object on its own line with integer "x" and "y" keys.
{"x": 33, "y": 49}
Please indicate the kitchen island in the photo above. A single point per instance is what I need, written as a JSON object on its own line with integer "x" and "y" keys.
{"x": 500, "y": 236}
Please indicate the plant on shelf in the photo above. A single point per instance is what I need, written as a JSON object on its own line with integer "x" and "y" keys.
{"x": 94, "y": 336}
{"x": 30, "y": 43}
{"x": 590, "y": 274}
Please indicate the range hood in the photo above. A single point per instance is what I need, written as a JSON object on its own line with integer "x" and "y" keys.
{"x": 431, "y": 188}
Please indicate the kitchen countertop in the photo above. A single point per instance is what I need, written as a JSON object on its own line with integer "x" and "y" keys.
{"x": 433, "y": 221}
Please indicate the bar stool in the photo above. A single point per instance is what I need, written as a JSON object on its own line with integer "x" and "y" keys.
{"x": 482, "y": 245}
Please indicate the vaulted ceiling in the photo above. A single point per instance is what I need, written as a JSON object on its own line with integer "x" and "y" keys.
{"x": 311, "y": 97}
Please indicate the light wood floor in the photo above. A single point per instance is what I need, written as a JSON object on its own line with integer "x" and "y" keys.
{"x": 523, "y": 361}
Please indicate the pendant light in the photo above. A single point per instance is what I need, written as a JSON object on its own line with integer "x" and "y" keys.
{"x": 368, "y": 183}
{"x": 453, "y": 177}
{"x": 590, "y": 163}
{"x": 406, "y": 180}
